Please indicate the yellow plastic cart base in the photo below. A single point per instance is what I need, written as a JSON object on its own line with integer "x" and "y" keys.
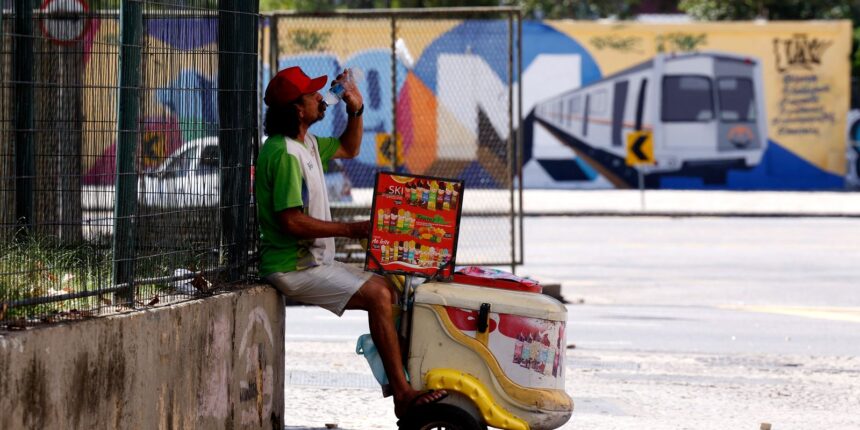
{"x": 493, "y": 414}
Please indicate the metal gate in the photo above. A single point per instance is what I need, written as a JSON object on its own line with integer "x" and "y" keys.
{"x": 441, "y": 99}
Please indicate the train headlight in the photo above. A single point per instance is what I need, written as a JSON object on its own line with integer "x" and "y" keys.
{"x": 740, "y": 136}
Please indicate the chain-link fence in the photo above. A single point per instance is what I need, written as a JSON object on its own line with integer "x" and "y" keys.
{"x": 126, "y": 138}
{"x": 444, "y": 82}
{"x": 128, "y": 130}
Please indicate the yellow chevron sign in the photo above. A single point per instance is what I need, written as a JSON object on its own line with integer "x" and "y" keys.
{"x": 640, "y": 148}
{"x": 386, "y": 150}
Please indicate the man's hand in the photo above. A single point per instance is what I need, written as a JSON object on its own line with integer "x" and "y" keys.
{"x": 359, "y": 230}
{"x": 351, "y": 95}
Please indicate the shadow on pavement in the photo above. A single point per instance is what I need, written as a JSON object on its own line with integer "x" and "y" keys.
{"x": 314, "y": 428}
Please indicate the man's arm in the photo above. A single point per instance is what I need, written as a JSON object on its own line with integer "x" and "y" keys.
{"x": 295, "y": 223}
{"x": 350, "y": 140}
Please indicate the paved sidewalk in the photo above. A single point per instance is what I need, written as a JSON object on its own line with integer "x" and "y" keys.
{"x": 613, "y": 202}
{"x": 659, "y": 202}
{"x": 665, "y": 202}
{"x": 679, "y": 323}
{"x": 614, "y": 385}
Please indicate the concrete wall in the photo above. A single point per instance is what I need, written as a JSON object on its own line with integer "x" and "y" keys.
{"x": 216, "y": 363}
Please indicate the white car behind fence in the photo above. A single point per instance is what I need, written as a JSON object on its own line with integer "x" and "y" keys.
{"x": 190, "y": 178}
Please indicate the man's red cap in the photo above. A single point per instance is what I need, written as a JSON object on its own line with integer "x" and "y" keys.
{"x": 290, "y": 84}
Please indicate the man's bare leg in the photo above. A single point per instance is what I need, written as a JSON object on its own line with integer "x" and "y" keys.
{"x": 376, "y": 297}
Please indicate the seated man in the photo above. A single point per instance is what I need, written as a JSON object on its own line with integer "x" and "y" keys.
{"x": 296, "y": 230}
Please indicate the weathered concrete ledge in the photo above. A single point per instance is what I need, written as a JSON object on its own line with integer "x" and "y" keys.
{"x": 216, "y": 363}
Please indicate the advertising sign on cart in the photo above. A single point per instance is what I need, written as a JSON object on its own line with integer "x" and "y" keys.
{"x": 416, "y": 222}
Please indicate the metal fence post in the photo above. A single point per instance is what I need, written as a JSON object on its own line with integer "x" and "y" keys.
{"x": 131, "y": 33}
{"x": 274, "y": 47}
{"x": 70, "y": 102}
{"x": 392, "y": 147}
{"x": 521, "y": 236}
{"x": 25, "y": 156}
{"x": 237, "y": 91}
{"x": 511, "y": 140}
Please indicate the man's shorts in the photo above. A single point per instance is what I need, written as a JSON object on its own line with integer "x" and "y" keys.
{"x": 329, "y": 286}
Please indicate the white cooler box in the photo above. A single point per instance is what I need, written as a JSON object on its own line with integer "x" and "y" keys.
{"x": 504, "y": 364}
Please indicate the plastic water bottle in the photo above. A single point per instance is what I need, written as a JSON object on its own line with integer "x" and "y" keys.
{"x": 402, "y": 53}
{"x": 335, "y": 93}
{"x": 367, "y": 348}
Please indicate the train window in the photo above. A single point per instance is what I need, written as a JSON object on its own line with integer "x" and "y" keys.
{"x": 687, "y": 99}
{"x": 566, "y": 109}
{"x": 576, "y": 105}
{"x": 181, "y": 165}
{"x": 854, "y": 134}
{"x": 598, "y": 102}
{"x": 209, "y": 159}
{"x": 640, "y": 104}
{"x": 586, "y": 110}
{"x": 737, "y": 100}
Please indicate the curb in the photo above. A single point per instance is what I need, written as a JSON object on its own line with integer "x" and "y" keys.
{"x": 691, "y": 214}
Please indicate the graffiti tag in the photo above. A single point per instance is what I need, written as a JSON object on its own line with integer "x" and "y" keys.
{"x": 308, "y": 40}
{"x": 680, "y": 42}
{"x": 802, "y": 110}
{"x": 617, "y": 43}
{"x": 799, "y": 51}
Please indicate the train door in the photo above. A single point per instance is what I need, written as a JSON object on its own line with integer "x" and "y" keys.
{"x": 585, "y": 115}
{"x": 619, "y": 103}
{"x": 742, "y": 126}
{"x": 689, "y": 126}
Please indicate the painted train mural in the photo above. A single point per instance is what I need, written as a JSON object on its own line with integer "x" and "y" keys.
{"x": 702, "y": 112}
{"x": 721, "y": 106}
{"x": 724, "y": 106}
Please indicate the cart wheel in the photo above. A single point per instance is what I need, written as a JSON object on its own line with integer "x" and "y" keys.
{"x": 439, "y": 416}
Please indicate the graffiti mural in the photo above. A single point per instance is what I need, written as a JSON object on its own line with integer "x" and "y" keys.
{"x": 702, "y": 113}
{"x": 728, "y": 106}
{"x": 724, "y": 106}
{"x": 451, "y": 101}
{"x": 180, "y": 101}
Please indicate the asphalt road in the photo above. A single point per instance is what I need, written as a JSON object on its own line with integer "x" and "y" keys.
{"x": 721, "y": 285}
{"x": 699, "y": 261}
{"x": 676, "y": 323}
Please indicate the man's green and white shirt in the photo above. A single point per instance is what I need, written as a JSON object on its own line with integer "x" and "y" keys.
{"x": 291, "y": 174}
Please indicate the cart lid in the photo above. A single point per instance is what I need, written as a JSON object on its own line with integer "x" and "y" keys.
{"x": 502, "y": 301}
{"x": 493, "y": 278}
